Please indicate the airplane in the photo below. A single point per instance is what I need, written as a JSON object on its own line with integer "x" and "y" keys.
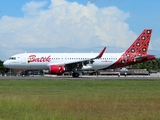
{"x": 58, "y": 63}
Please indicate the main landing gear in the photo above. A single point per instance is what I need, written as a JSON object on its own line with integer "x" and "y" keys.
{"x": 75, "y": 74}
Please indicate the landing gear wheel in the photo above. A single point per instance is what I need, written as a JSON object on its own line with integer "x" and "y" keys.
{"x": 75, "y": 74}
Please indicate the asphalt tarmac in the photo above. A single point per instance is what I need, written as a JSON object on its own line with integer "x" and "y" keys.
{"x": 133, "y": 77}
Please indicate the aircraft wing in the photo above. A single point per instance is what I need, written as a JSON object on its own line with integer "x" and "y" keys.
{"x": 80, "y": 63}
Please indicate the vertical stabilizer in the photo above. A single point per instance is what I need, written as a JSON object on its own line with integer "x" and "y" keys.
{"x": 137, "y": 52}
{"x": 140, "y": 45}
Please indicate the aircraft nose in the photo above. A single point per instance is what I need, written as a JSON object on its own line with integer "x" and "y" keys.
{"x": 6, "y": 63}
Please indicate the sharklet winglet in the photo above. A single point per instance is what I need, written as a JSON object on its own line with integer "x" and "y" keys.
{"x": 101, "y": 53}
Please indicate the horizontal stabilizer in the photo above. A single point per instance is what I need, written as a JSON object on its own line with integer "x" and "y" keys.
{"x": 148, "y": 57}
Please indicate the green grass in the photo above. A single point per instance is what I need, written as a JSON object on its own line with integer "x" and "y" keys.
{"x": 79, "y": 100}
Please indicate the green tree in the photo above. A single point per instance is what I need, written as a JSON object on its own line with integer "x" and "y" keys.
{"x": 149, "y": 65}
{"x": 2, "y": 68}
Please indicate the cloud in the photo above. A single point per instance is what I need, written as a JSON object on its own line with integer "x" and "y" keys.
{"x": 33, "y": 8}
{"x": 64, "y": 23}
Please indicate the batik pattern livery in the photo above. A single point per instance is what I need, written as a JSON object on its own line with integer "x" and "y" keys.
{"x": 137, "y": 50}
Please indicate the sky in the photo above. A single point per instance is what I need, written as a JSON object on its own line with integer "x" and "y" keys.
{"x": 76, "y": 25}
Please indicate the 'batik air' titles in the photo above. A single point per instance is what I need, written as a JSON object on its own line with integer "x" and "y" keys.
{"x": 33, "y": 58}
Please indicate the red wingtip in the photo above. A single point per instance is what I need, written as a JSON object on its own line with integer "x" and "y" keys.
{"x": 101, "y": 53}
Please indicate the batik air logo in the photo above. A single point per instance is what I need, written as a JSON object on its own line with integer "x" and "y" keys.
{"x": 33, "y": 58}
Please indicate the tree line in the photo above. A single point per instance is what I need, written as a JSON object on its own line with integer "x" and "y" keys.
{"x": 149, "y": 65}
{"x": 2, "y": 68}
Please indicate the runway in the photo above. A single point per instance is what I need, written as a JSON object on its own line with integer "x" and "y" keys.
{"x": 133, "y": 77}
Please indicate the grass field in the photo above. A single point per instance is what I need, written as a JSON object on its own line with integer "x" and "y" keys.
{"x": 79, "y": 100}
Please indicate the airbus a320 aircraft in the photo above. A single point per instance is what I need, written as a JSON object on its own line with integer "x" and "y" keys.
{"x": 58, "y": 63}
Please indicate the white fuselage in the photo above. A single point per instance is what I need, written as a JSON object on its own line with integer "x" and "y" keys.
{"x": 42, "y": 61}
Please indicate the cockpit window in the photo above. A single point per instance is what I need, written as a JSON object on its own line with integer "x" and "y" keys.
{"x": 12, "y": 58}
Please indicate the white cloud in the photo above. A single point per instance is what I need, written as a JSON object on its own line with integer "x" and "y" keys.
{"x": 64, "y": 24}
{"x": 33, "y": 8}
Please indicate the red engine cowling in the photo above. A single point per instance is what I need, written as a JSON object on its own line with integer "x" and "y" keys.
{"x": 54, "y": 69}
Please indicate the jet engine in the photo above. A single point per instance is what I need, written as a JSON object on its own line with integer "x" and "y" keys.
{"x": 54, "y": 69}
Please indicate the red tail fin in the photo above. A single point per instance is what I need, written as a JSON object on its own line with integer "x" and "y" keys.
{"x": 137, "y": 52}
{"x": 140, "y": 45}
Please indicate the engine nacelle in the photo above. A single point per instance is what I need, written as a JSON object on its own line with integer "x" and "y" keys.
{"x": 55, "y": 69}
{"x": 87, "y": 67}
